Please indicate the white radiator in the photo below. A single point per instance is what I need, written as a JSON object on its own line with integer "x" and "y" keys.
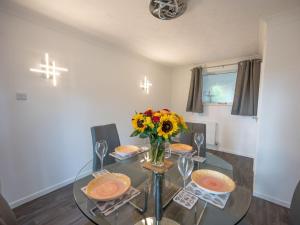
{"x": 211, "y": 133}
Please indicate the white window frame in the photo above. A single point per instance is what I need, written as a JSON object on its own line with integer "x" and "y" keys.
{"x": 217, "y": 72}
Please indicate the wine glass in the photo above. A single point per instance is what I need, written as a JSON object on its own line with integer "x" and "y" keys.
{"x": 185, "y": 166}
{"x": 101, "y": 150}
{"x": 198, "y": 139}
{"x": 176, "y": 138}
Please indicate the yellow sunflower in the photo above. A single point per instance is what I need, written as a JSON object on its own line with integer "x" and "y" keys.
{"x": 168, "y": 126}
{"x": 140, "y": 122}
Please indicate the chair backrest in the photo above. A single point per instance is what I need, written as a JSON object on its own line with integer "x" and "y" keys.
{"x": 110, "y": 134}
{"x": 295, "y": 207}
{"x": 7, "y": 216}
{"x": 188, "y": 138}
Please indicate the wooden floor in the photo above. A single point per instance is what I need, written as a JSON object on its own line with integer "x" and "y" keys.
{"x": 59, "y": 208}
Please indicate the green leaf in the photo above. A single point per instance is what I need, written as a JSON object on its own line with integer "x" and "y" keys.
{"x": 134, "y": 133}
{"x": 143, "y": 135}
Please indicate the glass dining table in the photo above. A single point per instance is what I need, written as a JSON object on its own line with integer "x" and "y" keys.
{"x": 234, "y": 210}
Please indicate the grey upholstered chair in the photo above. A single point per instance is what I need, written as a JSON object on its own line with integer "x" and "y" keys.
{"x": 188, "y": 138}
{"x": 295, "y": 207}
{"x": 244, "y": 222}
{"x": 7, "y": 216}
{"x": 110, "y": 134}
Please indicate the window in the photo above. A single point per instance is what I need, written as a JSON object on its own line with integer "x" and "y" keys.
{"x": 219, "y": 88}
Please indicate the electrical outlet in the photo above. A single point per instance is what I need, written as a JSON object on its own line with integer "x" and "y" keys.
{"x": 21, "y": 96}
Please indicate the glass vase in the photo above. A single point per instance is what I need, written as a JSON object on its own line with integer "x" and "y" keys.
{"x": 157, "y": 153}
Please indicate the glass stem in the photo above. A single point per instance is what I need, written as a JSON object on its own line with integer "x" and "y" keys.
{"x": 101, "y": 164}
{"x": 199, "y": 147}
{"x": 183, "y": 183}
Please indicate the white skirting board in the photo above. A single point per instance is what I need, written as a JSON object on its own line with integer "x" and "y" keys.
{"x": 40, "y": 193}
{"x": 272, "y": 199}
{"x": 44, "y": 191}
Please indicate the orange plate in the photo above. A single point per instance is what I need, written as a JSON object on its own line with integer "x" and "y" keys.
{"x": 108, "y": 187}
{"x": 213, "y": 181}
{"x": 125, "y": 150}
{"x": 183, "y": 148}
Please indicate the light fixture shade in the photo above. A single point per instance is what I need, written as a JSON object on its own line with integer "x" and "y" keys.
{"x": 167, "y": 9}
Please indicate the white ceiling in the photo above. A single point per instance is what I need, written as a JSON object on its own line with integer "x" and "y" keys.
{"x": 210, "y": 30}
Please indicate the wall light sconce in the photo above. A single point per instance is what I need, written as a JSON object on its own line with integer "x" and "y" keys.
{"x": 50, "y": 70}
{"x": 145, "y": 85}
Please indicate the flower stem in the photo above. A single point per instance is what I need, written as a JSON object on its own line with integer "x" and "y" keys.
{"x": 156, "y": 151}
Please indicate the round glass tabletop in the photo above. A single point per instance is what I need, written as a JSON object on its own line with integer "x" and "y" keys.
{"x": 142, "y": 180}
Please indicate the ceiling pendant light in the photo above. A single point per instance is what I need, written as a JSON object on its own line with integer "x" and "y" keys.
{"x": 167, "y": 9}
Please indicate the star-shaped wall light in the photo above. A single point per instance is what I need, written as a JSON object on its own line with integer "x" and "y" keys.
{"x": 49, "y": 69}
{"x": 145, "y": 85}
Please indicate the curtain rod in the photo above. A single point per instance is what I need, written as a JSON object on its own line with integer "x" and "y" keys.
{"x": 216, "y": 74}
{"x": 229, "y": 64}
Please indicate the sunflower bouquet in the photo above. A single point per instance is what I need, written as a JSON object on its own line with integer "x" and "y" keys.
{"x": 159, "y": 126}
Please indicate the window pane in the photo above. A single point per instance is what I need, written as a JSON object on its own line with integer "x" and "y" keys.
{"x": 219, "y": 88}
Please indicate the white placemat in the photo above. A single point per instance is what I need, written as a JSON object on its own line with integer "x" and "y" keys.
{"x": 110, "y": 206}
{"x": 219, "y": 200}
{"x": 119, "y": 157}
{"x": 186, "y": 199}
{"x": 199, "y": 159}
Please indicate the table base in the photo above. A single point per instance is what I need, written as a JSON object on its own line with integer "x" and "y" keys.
{"x": 152, "y": 221}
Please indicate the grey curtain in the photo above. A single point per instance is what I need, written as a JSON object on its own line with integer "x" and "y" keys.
{"x": 194, "y": 103}
{"x": 246, "y": 89}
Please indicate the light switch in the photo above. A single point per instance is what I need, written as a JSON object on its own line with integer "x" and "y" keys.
{"x": 21, "y": 96}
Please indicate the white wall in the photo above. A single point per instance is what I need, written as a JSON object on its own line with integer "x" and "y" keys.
{"x": 46, "y": 139}
{"x": 278, "y": 148}
{"x": 235, "y": 134}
